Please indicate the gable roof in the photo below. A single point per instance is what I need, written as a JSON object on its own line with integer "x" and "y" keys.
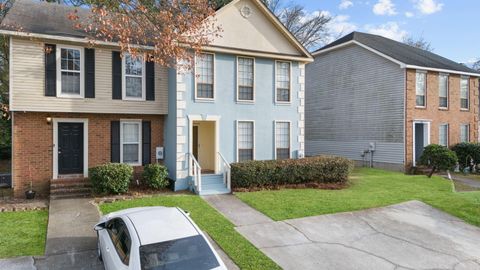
{"x": 403, "y": 54}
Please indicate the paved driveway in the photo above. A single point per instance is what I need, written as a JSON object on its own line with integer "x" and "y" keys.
{"x": 410, "y": 235}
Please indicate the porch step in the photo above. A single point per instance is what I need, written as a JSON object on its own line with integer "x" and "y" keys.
{"x": 70, "y": 188}
{"x": 213, "y": 184}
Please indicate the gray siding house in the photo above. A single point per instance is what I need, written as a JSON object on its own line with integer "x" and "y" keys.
{"x": 359, "y": 102}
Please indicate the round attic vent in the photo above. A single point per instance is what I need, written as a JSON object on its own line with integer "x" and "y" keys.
{"x": 246, "y": 11}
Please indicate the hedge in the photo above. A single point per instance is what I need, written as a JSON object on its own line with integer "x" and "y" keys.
{"x": 319, "y": 169}
{"x": 466, "y": 151}
{"x": 111, "y": 178}
{"x": 155, "y": 176}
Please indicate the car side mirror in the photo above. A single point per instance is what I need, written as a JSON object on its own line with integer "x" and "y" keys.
{"x": 99, "y": 226}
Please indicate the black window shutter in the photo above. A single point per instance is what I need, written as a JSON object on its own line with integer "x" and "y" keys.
{"x": 116, "y": 75}
{"x": 50, "y": 70}
{"x": 115, "y": 141}
{"x": 150, "y": 83}
{"x": 90, "y": 73}
{"x": 146, "y": 143}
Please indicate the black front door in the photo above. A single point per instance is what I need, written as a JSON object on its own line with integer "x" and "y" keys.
{"x": 419, "y": 140}
{"x": 70, "y": 148}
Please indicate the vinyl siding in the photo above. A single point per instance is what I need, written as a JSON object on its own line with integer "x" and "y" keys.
{"x": 354, "y": 97}
{"x": 28, "y": 83}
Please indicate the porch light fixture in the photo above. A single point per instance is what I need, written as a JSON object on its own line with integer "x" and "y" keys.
{"x": 49, "y": 120}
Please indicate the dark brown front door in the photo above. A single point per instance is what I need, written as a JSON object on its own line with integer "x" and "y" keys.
{"x": 70, "y": 148}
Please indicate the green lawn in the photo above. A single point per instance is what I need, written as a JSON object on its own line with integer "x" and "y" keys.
{"x": 244, "y": 254}
{"x": 369, "y": 188}
{"x": 23, "y": 233}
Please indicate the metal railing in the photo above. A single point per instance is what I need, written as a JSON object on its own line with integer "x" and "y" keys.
{"x": 225, "y": 169}
{"x": 195, "y": 171}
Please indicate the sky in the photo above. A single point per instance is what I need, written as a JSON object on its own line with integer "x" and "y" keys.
{"x": 449, "y": 25}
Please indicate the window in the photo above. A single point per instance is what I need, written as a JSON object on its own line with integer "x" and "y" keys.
{"x": 443, "y": 90}
{"x": 464, "y": 97}
{"x": 130, "y": 136}
{"x": 70, "y": 72}
{"x": 120, "y": 239}
{"x": 204, "y": 75}
{"x": 283, "y": 81}
{"x": 245, "y": 73}
{"x": 443, "y": 135}
{"x": 245, "y": 137}
{"x": 282, "y": 140}
{"x": 465, "y": 133}
{"x": 421, "y": 89}
{"x": 133, "y": 77}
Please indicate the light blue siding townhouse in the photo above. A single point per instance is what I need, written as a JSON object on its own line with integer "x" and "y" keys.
{"x": 244, "y": 100}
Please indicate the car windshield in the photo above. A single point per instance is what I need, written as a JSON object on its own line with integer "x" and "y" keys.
{"x": 186, "y": 253}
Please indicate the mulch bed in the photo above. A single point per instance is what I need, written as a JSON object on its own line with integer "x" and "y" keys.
{"x": 312, "y": 185}
{"x": 136, "y": 192}
{"x": 16, "y": 205}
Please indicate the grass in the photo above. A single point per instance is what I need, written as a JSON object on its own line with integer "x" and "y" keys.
{"x": 242, "y": 252}
{"x": 369, "y": 188}
{"x": 23, "y": 233}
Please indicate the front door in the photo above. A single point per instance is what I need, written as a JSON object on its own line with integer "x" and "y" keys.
{"x": 70, "y": 148}
{"x": 419, "y": 141}
{"x": 203, "y": 145}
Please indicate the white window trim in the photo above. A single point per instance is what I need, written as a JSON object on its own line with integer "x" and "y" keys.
{"x": 124, "y": 85}
{"x": 214, "y": 78}
{"x": 447, "y": 135}
{"x": 291, "y": 83}
{"x": 468, "y": 93}
{"x": 59, "y": 71}
{"x": 448, "y": 90}
{"x": 254, "y": 146}
{"x": 425, "y": 90}
{"x": 275, "y": 137}
{"x": 139, "y": 122}
{"x": 428, "y": 123}
{"x": 468, "y": 132}
{"x": 55, "y": 143}
{"x": 238, "y": 84}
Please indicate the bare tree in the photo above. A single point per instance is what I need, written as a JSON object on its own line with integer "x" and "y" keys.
{"x": 420, "y": 43}
{"x": 476, "y": 65}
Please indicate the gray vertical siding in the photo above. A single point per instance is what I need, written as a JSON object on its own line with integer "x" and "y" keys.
{"x": 354, "y": 97}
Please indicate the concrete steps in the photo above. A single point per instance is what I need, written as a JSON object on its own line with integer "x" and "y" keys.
{"x": 64, "y": 188}
{"x": 212, "y": 184}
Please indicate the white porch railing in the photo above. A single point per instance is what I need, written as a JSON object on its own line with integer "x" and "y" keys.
{"x": 195, "y": 171}
{"x": 225, "y": 169}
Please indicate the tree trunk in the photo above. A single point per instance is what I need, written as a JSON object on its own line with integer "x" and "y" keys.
{"x": 432, "y": 171}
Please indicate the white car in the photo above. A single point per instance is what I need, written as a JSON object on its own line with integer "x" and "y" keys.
{"x": 154, "y": 238}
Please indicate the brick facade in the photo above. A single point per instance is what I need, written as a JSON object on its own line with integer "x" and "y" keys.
{"x": 453, "y": 116}
{"x": 33, "y": 145}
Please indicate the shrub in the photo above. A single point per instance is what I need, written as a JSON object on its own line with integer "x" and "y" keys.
{"x": 111, "y": 178}
{"x": 155, "y": 176}
{"x": 320, "y": 169}
{"x": 467, "y": 151}
{"x": 438, "y": 157}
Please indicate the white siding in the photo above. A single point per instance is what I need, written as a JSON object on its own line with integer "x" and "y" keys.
{"x": 28, "y": 81}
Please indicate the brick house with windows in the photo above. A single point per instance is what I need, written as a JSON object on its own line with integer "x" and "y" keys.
{"x": 366, "y": 92}
{"x": 75, "y": 106}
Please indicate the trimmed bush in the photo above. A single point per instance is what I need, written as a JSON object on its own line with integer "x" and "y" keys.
{"x": 111, "y": 178}
{"x": 466, "y": 151}
{"x": 155, "y": 176}
{"x": 320, "y": 169}
{"x": 438, "y": 157}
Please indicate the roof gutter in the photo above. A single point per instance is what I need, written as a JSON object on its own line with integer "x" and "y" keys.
{"x": 444, "y": 70}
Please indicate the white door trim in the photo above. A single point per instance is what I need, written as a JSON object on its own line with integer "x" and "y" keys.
{"x": 428, "y": 124}
{"x": 55, "y": 143}
{"x": 210, "y": 118}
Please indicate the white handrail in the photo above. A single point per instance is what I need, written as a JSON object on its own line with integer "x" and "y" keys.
{"x": 226, "y": 170}
{"x": 196, "y": 171}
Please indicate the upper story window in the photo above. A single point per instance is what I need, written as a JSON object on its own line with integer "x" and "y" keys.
{"x": 464, "y": 96}
{"x": 245, "y": 75}
{"x": 421, "y": 89}
{"x": 443, "y": 90}
{"x": 245, "y": 137}
{"x": 130, "y": 142}
{"x": 465, "y": 133}
{"x": 443, "y": 135}
{"x": 204, "y": 76}
{"x": 282, "y": 140}
{"x": 70, "y": 72}
{"x": 283, "y": 74}
{"x": 133, "y": 77}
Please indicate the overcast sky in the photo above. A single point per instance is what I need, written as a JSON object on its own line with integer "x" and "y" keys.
{"x": 451, "y": 26}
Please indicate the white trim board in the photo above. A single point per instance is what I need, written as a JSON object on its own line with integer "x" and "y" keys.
{"x": 55, "y": 122}
{"x": 205, "y": 118}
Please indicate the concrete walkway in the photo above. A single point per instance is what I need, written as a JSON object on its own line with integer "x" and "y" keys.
{"x": 466, "y": 181}
{"x": 71, "y": 240}
{"x": 409, "y": 235}
{"x": 18, "y": 263}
